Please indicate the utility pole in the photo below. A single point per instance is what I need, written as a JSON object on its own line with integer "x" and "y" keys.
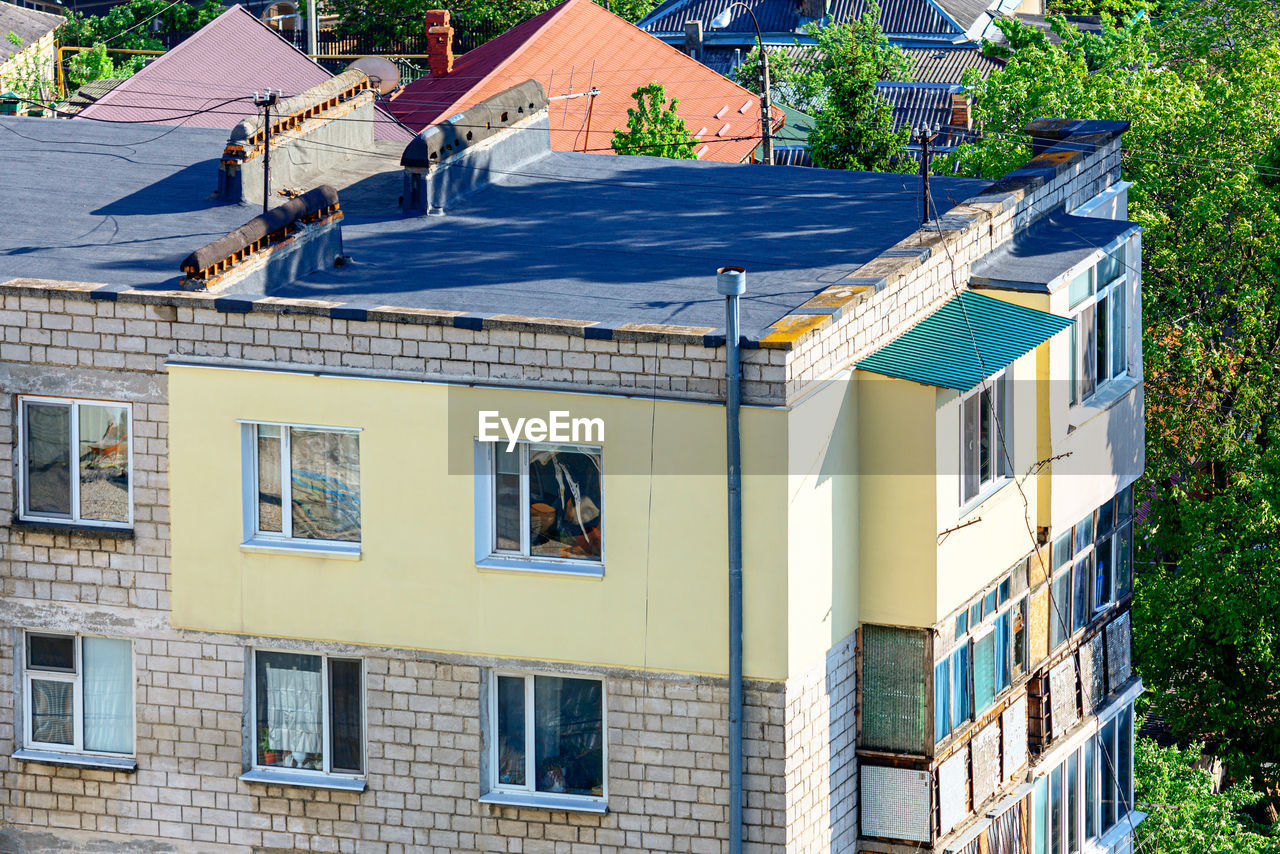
{"x": 925, "y": 138}
{"x": 266, "y": 102}
{"x": 766, "y": 106}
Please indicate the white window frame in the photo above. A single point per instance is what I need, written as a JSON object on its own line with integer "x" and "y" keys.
{"x": 487, "y": 554}
{"x": 1097, "y": 293}
{"x": 77, "y": 699}
{"x": 283, "y": 539}
{"x": 326, "y": 759}
{"x": 528, "y": 791}
{"x": 1000, "y": 385}
{"x": 74, "y": 518}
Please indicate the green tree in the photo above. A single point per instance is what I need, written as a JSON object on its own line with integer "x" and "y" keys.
{"x": 29, "y": 77}
{"x": 653, "y": 129}
{"x": 853, "y": 123}
{"x": 390, "y": 22}
{"x": 1201, "y": 90}
{"x": 1184, "y": 814}
{"x": 129, "y": 26}
{"x": 96, "y": 64}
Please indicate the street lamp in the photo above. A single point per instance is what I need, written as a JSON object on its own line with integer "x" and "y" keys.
{"x": 719, "y": 22}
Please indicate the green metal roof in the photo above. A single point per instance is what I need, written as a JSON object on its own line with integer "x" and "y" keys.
{"x": 941, "y": 351}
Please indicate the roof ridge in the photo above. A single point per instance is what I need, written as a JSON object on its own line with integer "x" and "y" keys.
{"x": 550, "y": 14}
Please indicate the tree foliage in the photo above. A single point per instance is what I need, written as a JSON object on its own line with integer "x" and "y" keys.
{"x": 132, "y": 25}
{"x": 98, "y": 64}
{"x": 1202, "y": 90}
{"x": 853, "y": 123}
{"x": 388, "y": 22}
{"x": 1184, "y": 814}
{"x": 654, "y": 129}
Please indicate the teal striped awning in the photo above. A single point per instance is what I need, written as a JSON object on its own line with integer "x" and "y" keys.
{"x": 966, "y": 341}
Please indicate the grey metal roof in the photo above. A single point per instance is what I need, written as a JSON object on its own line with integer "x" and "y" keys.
{"x": 140, "y": 202}
{"x": 27, "y": 24}
{"x": 964, "y": 12}
{"x": 1046, "y": 249}
{"x": 947, "y": 65}
{"x": 918, "y": 106}
{"x": 897, "y": 17}
{"x": 631, "y": 240}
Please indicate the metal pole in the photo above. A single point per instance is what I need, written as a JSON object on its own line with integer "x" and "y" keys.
{"x": 926, "y": 137}
{"x": 766, "y": 105}
{"x": 313, "y": 28}
{"x": 732, "y": 283}
{"x": 266, "y": 161}
{"x": 265, "y": 101}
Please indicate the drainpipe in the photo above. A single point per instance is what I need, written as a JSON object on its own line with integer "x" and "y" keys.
{"x": 732, "y": 283}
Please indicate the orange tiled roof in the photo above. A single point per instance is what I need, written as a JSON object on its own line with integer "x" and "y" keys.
{"x": 579, "y": 45}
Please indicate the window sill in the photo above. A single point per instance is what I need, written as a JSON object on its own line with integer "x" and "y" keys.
{"x": 122, "y": 764}
{"x": 1082, "y": 413}
{"x": 1122, "y": 831}
{"x": 53, "y": 526}
{"x": 558, "y": 803}
{"x": 325, "y": 550}
{"x": 974, "y": 503}
{"x": 546, "y": 567}
{"x": 301, "y": 780}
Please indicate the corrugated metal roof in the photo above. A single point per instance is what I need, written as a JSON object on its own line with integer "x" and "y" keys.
{"x": 918, "y": 106}
{"x": 230, "y": 57}
{"x": 948, "y": 64}
{"x": 579, "y": 45}
{"x": 88, "y": 94}
{"x": 29, "y": 25}
{"x": 897, "y": 17}
{"x": 964, "y": 342}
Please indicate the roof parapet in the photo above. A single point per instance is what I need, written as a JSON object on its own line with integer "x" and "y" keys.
{"x": 484, "y": 135}
{"x": 269, "y": 240}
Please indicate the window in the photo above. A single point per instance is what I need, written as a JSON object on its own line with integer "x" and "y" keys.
{"x": 308, "y": 712}
{"x": 75, "y": 462}
{"x": 79, "y": 693}
{"x": 1098, "y": 342}
{"x": 1093, "y": 567}
{"x": 547, "y": 735}
{"x": 546, "y": 503}
{"x": 984, "y": 436}
{"x": 893, "y": 686}
{"x": 1088, "y": 793}
{"x": 314, "y": 472}
{"x": 989, "y": 654}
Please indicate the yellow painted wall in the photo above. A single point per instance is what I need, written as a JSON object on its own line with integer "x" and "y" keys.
{"x": 416, "y": 584}
{"x": 822, "y": 541}
{"x": 897, "y": 450}
{"x": 971, "y": 557}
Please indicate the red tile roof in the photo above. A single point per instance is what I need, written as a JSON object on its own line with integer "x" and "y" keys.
{"x": 574, "y": 47}
{"x": 231, "y": 56}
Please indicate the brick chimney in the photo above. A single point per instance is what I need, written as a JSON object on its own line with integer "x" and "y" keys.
{"x": 960, "y": 116}
{"x": 439, "y": 42}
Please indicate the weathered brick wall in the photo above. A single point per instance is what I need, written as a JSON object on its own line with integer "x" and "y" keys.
{"x": 821, "y": 768}
{"x": 668, "y": 765}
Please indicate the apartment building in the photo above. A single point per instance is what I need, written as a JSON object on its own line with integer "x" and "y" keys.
{"x": 269, "y": 586}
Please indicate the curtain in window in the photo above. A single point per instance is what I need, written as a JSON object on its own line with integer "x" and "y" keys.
{"x": 293, "y": 710}
{"x": 52, "y": 717}
{"x": 984, "y": 676}
{"x": 108, "y": 695}
{"x": 941, "y": 707}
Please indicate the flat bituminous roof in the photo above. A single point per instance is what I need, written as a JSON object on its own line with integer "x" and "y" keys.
{"x": 1046, "y": 249}
{"x": 120, "y": 204}
{"x": 601, "y": 239}
{"x": 617, "y": 240}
